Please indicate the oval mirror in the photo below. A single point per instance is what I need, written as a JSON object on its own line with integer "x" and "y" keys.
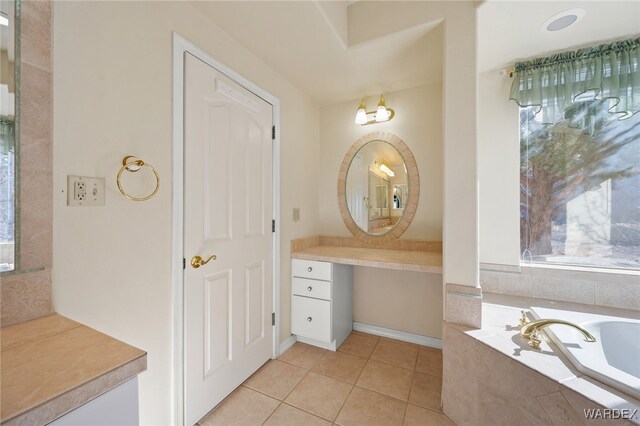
{"x": 378, "y": 187}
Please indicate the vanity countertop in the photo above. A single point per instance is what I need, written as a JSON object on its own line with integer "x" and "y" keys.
{"x": 408, "y": 260}
{"x": 52, "y": 365}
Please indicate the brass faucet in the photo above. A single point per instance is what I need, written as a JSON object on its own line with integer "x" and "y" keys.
{"x": 531, "y": 330}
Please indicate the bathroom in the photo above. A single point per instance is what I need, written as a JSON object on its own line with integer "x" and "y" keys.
{"x": 102, "y": 84}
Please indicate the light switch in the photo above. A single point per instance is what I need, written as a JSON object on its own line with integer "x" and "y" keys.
{"x": 296, "y": 214}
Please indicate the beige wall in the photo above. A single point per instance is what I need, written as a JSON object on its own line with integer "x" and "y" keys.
{"x": 498, "y": 171}
{"x": 400, "y": 300}
{"x": 418, "y": 122}
{"x": 405, "y": 301}
{"x": 113, "y": 97}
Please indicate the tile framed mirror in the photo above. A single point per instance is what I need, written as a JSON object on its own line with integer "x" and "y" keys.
{"x": 378, "y": 187}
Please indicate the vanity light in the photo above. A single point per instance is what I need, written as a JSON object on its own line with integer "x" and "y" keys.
{"x": 364, "y": 117}
{"x": 361, "y": 115}
{"x": 382, "y": 114}
{"x": 387, "y": 170}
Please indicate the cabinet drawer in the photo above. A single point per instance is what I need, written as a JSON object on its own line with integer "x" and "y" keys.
{"x": 311, "y": 318}
{"x": 311, "y": 288}
{"x": 311, "y": 269}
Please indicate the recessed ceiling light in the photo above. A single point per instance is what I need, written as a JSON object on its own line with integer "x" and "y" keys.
{"x": 562, "y": 20}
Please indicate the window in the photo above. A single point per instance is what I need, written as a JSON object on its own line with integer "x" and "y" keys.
{"x": 580, "y": 187}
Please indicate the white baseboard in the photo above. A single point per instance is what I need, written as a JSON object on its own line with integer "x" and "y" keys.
{"x": 398, "y": 335}
{"x": 324, "y": 345}
{"x": 287, "y": 344}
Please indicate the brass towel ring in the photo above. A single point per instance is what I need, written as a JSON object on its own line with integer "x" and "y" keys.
{"x": 133, "y": 164}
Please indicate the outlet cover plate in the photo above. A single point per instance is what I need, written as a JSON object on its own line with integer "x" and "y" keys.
{"x": 83, "y": 191}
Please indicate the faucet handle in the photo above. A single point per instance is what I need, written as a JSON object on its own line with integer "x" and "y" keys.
{"x": 535, "y": 339}
{"x": 523, "y": 319}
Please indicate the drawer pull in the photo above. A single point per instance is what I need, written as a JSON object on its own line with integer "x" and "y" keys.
{"x": 309, "y": 319}
{"x": 309, "y": 269}
{"x": 309, "y": 288}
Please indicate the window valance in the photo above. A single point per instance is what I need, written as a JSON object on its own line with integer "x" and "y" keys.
{"x": 609, "y": 72}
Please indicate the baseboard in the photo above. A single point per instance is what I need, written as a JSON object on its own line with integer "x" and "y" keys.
{"x": 287, "y": 344}
{"x": 398, "y": 335}
{"x": 324, "y": 345}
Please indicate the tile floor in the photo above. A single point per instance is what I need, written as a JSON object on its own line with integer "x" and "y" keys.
{"x": 369, "y": 381}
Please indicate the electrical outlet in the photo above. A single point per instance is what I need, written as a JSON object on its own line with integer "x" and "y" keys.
{"x": 85, "y": 191}
{"x": 79, "y": 190}
{"x": 296, "y": 214}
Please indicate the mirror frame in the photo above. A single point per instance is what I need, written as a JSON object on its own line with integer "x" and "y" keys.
{"x": 414, "y": 187}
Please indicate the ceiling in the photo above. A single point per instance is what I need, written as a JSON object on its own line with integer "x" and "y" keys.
{"x": 334, "y": 52}
{"x": 510, "y": 30}
{"x": 307, "y": 42}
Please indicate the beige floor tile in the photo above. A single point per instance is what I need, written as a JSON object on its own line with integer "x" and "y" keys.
{"x": 426, "y": 391}
{"x": 244, "y": 407}
{"x": 387, "y": 379}
{"x": 395, "y": 353}
{"x": 364, "y": 407}
{"x": 319, "y": 395}
{"x": 418, "y": 416}
{"x": 302, "y": 355}
{"x": 287, "y": 415}
{"x": 276, "y": 378}
{"x": 341, "y": 366}
{"x": 359, "y": 344}
{"x": 429, "y": 361}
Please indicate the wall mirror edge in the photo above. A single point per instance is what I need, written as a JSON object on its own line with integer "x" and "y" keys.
{"x": 408, "y": 210}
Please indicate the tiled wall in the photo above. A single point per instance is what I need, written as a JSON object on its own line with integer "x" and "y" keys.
{"x": 463, "y": 305}
{"x": 482, "y": 386}
{"x": 616, "y": 290}
{"x": 26, "y": 294}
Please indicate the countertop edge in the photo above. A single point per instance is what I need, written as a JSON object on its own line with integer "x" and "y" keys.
{"x": 367, "y": 262}
{"x": 62, "y": 404}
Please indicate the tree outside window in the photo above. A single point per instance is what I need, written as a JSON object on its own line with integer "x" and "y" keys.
{"x": 580, "y": 187}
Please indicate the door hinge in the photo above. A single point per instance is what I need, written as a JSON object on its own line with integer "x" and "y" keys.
{"x": 273, "y": 225}
{"x": 273, "y": 132}
{"x": 184, "y": 263}
{"x": 273, "y": 318}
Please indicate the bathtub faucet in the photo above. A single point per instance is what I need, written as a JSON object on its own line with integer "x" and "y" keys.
{"x": 531, "y": 330}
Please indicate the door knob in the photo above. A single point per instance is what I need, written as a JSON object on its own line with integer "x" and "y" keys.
{"x": 197, "y": 261}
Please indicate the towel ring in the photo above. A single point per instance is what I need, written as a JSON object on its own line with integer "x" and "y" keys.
{"x": 133, "y": 165}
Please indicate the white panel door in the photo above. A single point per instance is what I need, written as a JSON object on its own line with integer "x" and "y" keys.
{"x": 228, "y": 212}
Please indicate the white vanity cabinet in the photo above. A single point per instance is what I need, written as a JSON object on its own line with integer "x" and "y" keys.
{"x": 321, "y": 302}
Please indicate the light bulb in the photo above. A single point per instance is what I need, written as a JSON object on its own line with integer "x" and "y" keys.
{"x": 361, "y": 115}
{"x": 382, "y": 114}
{"x": 387, "y": 170}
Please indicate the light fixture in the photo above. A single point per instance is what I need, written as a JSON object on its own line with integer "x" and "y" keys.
{"x": 562, "y": 20}
{"x": 387, "y": 170}
{"x": 4, "y": 19}
{"x": 364, "y": 117}
{"x": 382, "y": 114}
{"x": 361, "y": 115}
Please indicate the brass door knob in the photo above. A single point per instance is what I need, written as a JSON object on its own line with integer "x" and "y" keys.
{"x": 197, "y": 261}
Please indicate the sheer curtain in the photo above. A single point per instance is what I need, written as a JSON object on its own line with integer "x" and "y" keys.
{"x": 609, "y": 72}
